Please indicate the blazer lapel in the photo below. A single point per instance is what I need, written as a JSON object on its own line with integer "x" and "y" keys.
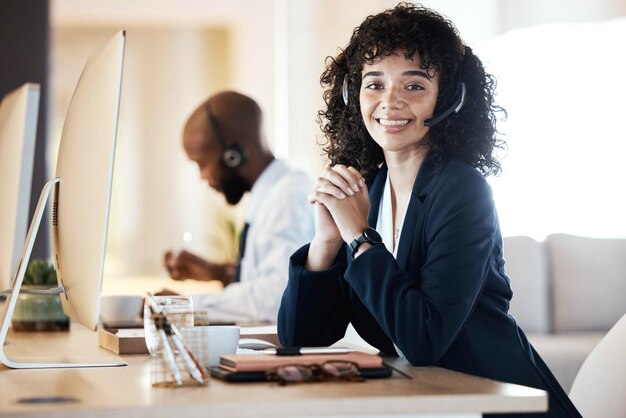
{"x": 376, "y": 193}
{"x": 409, "y": 245}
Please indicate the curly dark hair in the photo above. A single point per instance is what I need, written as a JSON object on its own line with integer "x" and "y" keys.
{"x": 469, "y": 135}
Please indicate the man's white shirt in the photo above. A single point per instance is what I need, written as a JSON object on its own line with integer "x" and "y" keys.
{"x": 281, "y": 221}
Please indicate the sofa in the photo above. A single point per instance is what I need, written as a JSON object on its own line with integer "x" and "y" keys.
{"x": 568, "y": 291}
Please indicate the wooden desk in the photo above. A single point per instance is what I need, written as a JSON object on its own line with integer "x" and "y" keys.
{"x": 127, "y": 391}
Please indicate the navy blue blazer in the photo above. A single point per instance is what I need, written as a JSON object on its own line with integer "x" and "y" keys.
{"x": 444, "y": 302}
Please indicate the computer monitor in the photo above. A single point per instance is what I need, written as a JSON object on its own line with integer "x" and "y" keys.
{"x": 18, "y": 126}
{"x": 81, "y": 190}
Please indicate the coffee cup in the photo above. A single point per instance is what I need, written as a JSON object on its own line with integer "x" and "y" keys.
{"x": 220, "y": 340}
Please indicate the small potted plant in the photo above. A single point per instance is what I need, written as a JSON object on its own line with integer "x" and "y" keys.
{"x": 39, "y": 312}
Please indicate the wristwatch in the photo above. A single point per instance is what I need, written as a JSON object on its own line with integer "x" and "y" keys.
{"x": 369, "y": 235}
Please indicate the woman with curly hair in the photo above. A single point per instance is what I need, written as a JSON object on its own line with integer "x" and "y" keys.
{"x": 410, "y": 123}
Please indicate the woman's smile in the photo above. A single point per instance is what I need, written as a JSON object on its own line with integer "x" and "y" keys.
{"x": 393, "y": 125}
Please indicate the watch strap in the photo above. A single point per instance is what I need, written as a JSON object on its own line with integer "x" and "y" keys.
{"x": 369, "y": 235}
{"x": 356, "y": 243}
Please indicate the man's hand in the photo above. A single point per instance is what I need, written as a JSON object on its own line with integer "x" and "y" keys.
{"x": 186, "y": 265}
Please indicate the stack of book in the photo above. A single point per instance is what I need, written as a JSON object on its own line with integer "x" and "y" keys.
{"x": 254, "y": 367}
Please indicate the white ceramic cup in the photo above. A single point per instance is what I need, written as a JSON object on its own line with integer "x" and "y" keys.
{"x": 223, "y": 339}
{"x": 120, "y": 308}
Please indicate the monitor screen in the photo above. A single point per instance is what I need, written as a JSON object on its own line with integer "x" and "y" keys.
{"x": 18, "y": 127}
{"x": 85, "y": 172}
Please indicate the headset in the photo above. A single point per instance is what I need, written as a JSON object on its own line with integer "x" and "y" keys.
{"x": 459, "y": 101}
{"x": 233, "y": 155}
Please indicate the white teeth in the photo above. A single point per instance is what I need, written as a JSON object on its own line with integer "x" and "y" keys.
{"x": 393, "y": 122}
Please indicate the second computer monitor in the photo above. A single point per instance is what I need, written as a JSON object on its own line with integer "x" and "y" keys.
{"x": 18, "y": 127}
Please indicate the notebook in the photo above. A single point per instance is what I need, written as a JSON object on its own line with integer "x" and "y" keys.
{"x": 261, "y": 376}
{"x": 262, "y": 362}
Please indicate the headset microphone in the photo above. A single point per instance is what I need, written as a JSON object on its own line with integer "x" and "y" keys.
{"x": 454, "y": 108}
{"x": 233, "y": 155}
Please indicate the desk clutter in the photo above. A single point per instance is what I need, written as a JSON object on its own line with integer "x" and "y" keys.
{"x": 184, "y": 352}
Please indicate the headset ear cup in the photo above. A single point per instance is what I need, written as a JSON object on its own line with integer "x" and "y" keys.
{"x": 234, "y": 156}
{"x": 344, "y": 90}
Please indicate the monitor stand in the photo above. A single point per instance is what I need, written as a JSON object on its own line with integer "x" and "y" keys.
{"x": 7, "y": 308}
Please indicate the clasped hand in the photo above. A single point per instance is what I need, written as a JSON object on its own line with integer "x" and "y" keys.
{"x": 342, "y": 204}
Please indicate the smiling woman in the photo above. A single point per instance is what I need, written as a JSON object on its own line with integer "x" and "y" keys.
{"x": 410, "y": 124}
{"x": 441, "y": 65}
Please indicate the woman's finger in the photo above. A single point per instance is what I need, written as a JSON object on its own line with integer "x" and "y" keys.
{"x": 349, "y": 175}
{"x": 324, "y": 199}
{"x": 359, "y": 178}
{"x": 327, "y": 187}
{"x": 336, "y": 178}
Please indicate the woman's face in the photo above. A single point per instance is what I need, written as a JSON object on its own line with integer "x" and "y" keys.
{"x": 397, "y": 95}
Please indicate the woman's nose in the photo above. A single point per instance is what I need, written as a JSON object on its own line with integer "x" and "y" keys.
{"x": 391, "y": 99}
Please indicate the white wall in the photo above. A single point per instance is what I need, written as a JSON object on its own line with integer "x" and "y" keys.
{"x": 564, "y": 169}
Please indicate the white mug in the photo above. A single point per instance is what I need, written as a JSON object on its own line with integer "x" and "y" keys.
{"x": 222, "y": 339}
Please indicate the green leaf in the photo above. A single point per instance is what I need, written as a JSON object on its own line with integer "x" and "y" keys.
{"x": 40, "y": 272}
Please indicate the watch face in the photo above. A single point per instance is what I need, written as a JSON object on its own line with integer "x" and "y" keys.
{"x": 372, "y": 236}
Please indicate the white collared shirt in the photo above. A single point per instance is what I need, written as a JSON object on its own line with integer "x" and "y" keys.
{"x": 384, "y": 226}
{"x": 384, "y": 223}
{"x": 281, "y": 221}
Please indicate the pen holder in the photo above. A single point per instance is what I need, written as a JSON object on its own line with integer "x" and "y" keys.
{"x": 179, "y": 311}
{"x": 172, "y": 370}
{"x": 198, "y": 340}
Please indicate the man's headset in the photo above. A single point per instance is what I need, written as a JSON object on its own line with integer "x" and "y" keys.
{"x": 459, "y": 101}
{"x": 233, "y": 155}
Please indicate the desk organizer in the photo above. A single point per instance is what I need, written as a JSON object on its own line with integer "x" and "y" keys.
{"x": 166, "y": 366}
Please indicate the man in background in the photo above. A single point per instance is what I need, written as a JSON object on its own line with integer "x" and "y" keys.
{"x": 223, "y": 136}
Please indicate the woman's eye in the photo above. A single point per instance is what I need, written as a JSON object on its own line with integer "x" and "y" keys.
{"x": 414, "y": 87}
{"x": 374, "y": 86}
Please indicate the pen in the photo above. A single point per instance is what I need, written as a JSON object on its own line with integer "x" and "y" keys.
{"x": 168, "y": 357}
{"x": 195, "y": 370}
{"x": 298, "y": 351}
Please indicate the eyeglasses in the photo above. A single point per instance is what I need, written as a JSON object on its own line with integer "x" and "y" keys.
{"x": 327, "y": 371}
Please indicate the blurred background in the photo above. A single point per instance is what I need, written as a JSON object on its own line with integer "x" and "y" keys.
{"x": 559, "y": 64}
